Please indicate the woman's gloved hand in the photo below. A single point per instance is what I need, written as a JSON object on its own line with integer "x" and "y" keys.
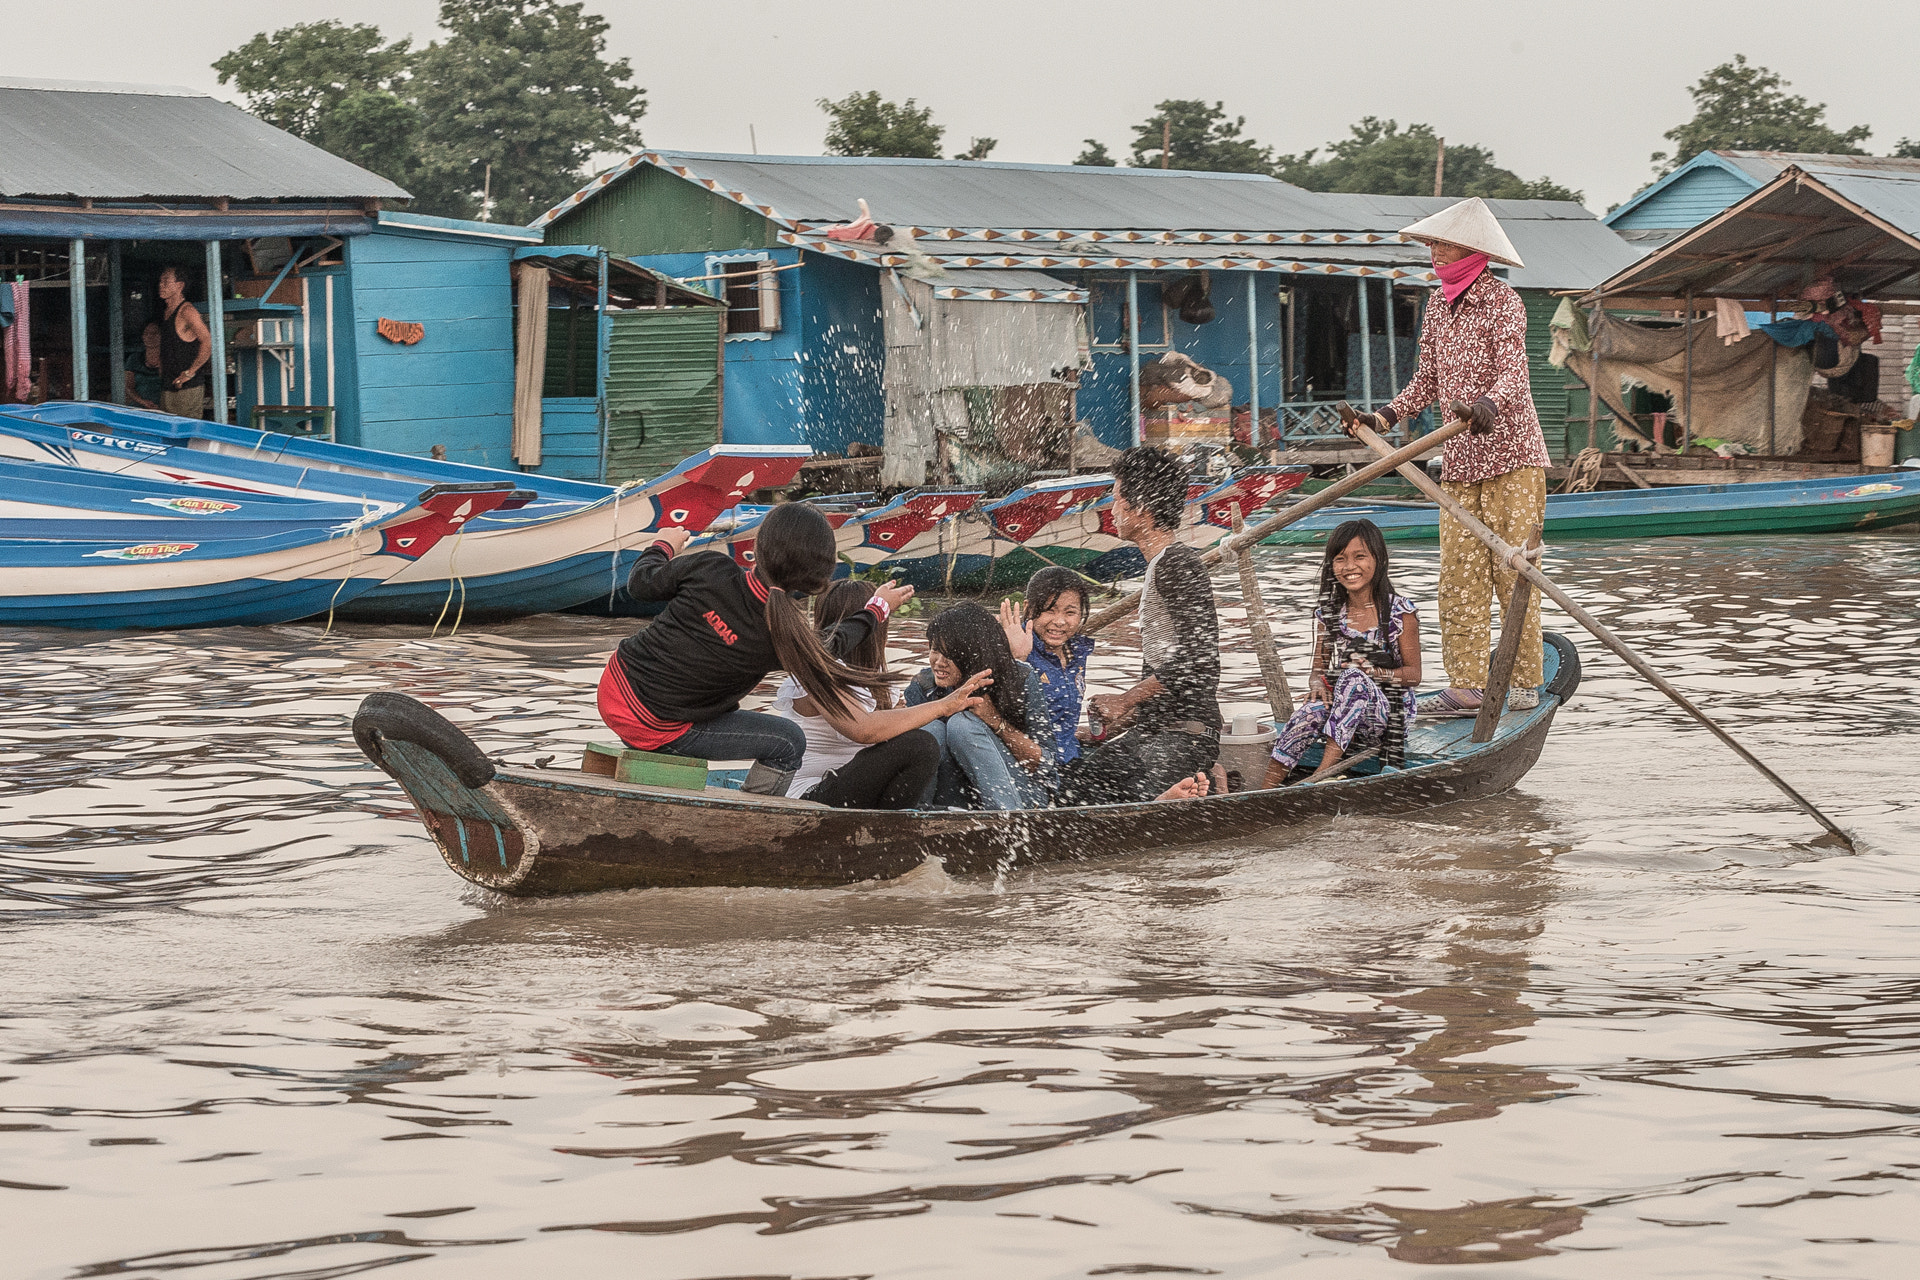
{"x": 1483, "y": 415}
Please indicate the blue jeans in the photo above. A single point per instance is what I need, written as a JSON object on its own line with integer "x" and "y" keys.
{"x": 971, "y": 753}
{"x": 774, "y": 741}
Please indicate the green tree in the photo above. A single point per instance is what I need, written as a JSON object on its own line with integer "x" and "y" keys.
{"x": 863, "y": 124}
{"x": 516, "y": 99}
{"x": 1196, "y": 136}
{"x": 1380, "y": 158}
{"x": 1095, "y": 155}
{"x": 340, "y": 87}
{"x": 1740, "y": 107}
{"x": 1907, "y": 149}
{"x": 978, "y": 149}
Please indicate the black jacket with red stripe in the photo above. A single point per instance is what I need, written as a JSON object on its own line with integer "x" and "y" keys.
{"x": 710, "y": 647}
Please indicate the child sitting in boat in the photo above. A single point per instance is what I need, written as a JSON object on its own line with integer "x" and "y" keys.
{"x": 875, "y": 755}
{"x": 1045, "y": 634}
{"x": 1363, "y": 634}
{"x": 1000, "y": 753}
{"x": 675, "y": 686}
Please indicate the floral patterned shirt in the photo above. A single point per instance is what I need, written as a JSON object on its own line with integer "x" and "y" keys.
{"x": 1472, "y": 348}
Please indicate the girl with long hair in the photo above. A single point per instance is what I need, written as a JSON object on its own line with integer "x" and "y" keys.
{"x": 1364, "y": 634}
{"x": 675, "y": 686}
{"x": 874, "y": 755}
{"x": 999, "y": 753}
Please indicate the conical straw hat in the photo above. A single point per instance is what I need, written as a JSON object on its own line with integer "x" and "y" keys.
{"x": 1471, "y": 225}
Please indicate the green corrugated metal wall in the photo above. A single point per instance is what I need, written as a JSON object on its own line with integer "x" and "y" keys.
{"x": 1558, "y": 395}
{"x": 663, "y": 389}
{"x": 649, "y": 211}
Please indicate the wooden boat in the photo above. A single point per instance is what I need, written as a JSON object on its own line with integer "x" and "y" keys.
{"x": 532, "y": 832}
{"x": 1827, "y": 505}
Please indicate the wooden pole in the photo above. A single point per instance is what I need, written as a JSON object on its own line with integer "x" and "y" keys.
{"x": 1513, "y": 625}
{"x": 1773, "y": 371}
{"x": 1517, "y": 560}
{"x": 1593, "y": 381}
{"x": 1686, "y": 424}
{"x": 1279, "y": 697}
{"x": 1299, "y": 510}
{"x": 1439, "y": 166}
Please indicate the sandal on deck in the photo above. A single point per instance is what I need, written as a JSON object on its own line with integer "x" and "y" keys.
{"x": 1452, "y": 702}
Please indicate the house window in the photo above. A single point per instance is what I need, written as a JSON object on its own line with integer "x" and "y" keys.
{"x": 751, "y": 287}
{"x": 1107, "y": 307}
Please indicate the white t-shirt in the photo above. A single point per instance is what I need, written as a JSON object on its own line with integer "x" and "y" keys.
{"x": 827, "y": 747}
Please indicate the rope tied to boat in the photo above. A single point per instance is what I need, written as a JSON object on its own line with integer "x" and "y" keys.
{"x": 454, "y": 583}
{"x": 352, "y": 528}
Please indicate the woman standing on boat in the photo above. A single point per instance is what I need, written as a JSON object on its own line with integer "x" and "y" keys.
{"x": 675, "y": 686}
{"x": 1473, "y": 348}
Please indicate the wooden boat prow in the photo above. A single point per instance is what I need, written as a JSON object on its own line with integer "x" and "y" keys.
{"x": 536, "y": 832}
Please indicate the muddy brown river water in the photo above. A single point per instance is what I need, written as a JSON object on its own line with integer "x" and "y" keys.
{"x": 1628, "y": 1020}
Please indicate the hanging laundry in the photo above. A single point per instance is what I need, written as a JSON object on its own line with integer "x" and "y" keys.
{"x": 860, "y": 228}
{"x": 1869, "y": 318}
{"x": 1796, "y": 331}
{"x": 1729, "y": 321}
{"x": 1913, "y": 371}
{"x": 16, "y": 353}
{"x": 6, "y": 308}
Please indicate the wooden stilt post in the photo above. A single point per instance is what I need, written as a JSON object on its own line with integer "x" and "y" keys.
{"x": 1271, "y": 673}
{"x": 1513, "y": 625}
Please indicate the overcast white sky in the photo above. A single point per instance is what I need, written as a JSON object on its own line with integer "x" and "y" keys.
{"x": 1580, "y": 92}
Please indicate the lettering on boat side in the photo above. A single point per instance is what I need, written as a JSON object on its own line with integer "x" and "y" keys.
{"x": 720, "y": 627}
{"x": 198, "y": 506}
{"x": 115, "y": 442}
{"x": 144, "y": 551}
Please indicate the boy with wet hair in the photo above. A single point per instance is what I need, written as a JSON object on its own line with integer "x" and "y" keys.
{"x": 1168, "y": 724}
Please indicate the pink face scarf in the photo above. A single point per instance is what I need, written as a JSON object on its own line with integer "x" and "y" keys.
{"x": 1455, "y": 277}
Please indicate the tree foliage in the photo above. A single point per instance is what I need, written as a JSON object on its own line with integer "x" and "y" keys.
{"x": 515, "y": 99}
{"x": 1380, "y": 158}
{"x": 1196, "y": 136}
{"x": 977, "y": 149}
{"x": 1095, "y": 155}
{"x": 340, "y": 87}
{"x": 1741, "y": 107}
{"x": 864, "y": 124}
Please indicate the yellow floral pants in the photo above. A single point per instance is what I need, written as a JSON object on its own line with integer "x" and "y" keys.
{"x": 1511, "y": 505}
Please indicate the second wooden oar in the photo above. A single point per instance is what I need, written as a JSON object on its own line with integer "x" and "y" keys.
{"x": 1517, "y": 561}
{"x": 1299, "y": 510}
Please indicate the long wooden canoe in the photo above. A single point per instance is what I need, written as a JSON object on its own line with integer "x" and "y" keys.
{"x": 1828, "y": 505}
{"x": 532, "y": 832}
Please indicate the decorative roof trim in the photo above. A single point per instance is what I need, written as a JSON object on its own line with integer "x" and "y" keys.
{"x": 962, "y": 293}
{"x": 658, "y": 161}
{"x": 1059, "y": 234}
{"x": 878, "y": 257}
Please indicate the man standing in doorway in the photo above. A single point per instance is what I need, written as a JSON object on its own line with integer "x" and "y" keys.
{"x": 1166, "y": 727}
{"x": 1473, "y": 348}
{"x": 185, "y": 347}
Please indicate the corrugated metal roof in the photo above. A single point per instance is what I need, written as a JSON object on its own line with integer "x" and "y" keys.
{"x": 1808, "y": 221}
{"x": 1564, "y": 245}
{"x": 64, "y": 139}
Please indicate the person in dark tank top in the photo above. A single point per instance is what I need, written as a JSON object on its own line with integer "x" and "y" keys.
{"x": 185, "y": 347}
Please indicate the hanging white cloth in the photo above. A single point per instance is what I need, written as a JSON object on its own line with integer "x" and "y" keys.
{"x": 1729, "y": 321}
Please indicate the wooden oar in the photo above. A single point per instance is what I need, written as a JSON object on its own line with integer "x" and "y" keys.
{"x": 1299, "y": 510}
{"x": 1517, "y": 561}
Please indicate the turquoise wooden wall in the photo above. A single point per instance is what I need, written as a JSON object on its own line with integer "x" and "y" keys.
{"x": 455, "y": 386}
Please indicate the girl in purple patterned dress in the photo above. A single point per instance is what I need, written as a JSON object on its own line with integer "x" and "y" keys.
{"x": 1363, "y": 634}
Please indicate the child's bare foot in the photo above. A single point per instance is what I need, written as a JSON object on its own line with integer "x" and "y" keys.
{"x": 1191, "y": 788}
